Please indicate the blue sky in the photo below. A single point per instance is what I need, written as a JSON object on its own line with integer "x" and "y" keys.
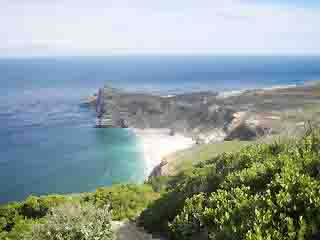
{"x": 300, "y": 3}
{"x": 104, "y": 27}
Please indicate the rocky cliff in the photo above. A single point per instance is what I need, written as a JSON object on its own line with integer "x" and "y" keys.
{"x": 193, "y": 113}
{"x": 206, "y": 116}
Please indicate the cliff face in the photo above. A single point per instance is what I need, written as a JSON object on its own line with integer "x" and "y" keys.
{"x": 194, "y": 112}
{"x": 204, "y": 115}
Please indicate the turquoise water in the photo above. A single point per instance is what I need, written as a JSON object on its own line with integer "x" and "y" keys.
{"x": 47, "y": 140}
{"x": 48, "y": 145}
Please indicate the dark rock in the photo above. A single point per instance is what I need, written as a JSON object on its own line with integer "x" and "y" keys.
{"x": 179, "y": 113}
{"x": 123, "y": 123}
{"x": 245, "y": 132}
{"x": 157, "y": 171}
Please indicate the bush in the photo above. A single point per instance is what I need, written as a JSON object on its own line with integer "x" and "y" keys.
{"x": 159, "y": 183}
{"x": 9, "y": 214}
{"x": 37, "y": 207}
{"x": 17, "y": 218}
{"x": 20, "y": 228}
{"x": 74, "y": 222}
{"x": 263, "y": 191}
{"x": 156, "y": 217}
{"x": 268, "y": 192}
{"x": 125, "y": 201}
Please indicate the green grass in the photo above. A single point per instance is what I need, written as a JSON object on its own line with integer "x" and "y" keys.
{"x": 183, "y": 160}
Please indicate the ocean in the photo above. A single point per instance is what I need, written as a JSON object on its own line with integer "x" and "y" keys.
{"x": 47, "y": 140}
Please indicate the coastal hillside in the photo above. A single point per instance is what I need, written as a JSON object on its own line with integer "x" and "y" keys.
{"x": 264, "y": 191}
{"x": 178, "y": 130}
{"x": 159, "y": 120}
{"x": 261, "y": 191}
{"x": 179, "y": 161}
{"x": 190, "y": 113}
{"x": 210, "y": 116}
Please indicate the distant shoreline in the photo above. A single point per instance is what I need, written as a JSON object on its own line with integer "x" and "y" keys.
{"x": 232, "y": 93}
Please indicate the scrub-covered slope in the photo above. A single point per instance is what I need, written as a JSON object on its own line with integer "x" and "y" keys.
{"x": 265, "y": 191}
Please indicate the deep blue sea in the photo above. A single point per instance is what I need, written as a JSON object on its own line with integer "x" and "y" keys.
{"x": 47, "y": 140}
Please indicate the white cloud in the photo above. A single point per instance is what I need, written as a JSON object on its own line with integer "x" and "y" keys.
{"x": 190, "y": 26}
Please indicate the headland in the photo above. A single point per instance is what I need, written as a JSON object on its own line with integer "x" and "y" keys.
{"x": 171, "y": 123}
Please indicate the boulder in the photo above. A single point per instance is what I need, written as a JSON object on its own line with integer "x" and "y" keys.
{"x": 245, "y": 132}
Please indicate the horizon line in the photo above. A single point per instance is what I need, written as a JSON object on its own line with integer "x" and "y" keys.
{"x": 287, "y": 54}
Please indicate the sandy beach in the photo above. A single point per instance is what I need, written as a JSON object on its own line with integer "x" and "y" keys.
{"x": 157, "y": 144}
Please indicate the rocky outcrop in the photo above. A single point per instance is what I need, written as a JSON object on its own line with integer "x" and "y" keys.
{"x": 245, "y": 132}
{"x": 204, "y": 116}
{"x": 192, "y": 113}
{"x": 108, "y": 109}
{"x": 246, "y": 126}
{"x": 158, "y": 170}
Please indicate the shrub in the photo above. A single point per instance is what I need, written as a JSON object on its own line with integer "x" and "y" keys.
{"x": 268, "y": 192}
{"x": 37, "y": 207}
{"x": 156, "y": 217}
{"x": 9, "y": 214}
{"x": 185, "y": 226}
{"x": 16, "y": 218}
{"x": 21, "y": 228}
{"x": 159, "y": 183}
{"x": 74, "y": 222}
{"x": 264, "y": 191}
{"x": 125, "y": 201}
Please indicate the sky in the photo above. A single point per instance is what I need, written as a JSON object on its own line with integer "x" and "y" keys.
{"x": 107, "y": 27}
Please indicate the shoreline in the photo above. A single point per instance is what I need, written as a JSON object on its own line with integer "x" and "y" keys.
{"x": 237, "y": 92}
{"x": 156, "y": 144}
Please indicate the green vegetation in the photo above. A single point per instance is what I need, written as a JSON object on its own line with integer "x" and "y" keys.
{"x": 73, "y": 221}
{"x": 262, "y": 191}
{"x": 125, "y": 201}
{"x": 183, "y": 160}
{"x": 16, "y": 219}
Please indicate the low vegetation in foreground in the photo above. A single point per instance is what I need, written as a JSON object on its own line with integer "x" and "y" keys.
{"x": 185, "y": 159}
{"x": 263, "y": 191}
